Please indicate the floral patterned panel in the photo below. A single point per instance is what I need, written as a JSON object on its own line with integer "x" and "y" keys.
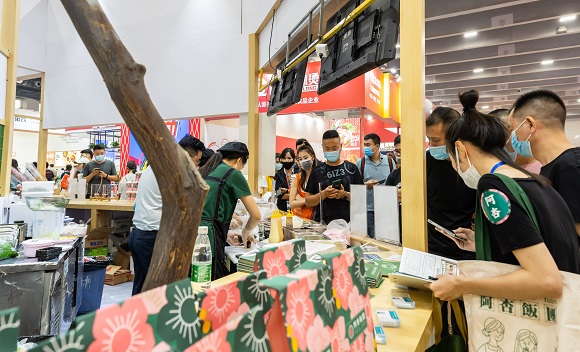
{"x": 244, "y": 332}
{"x": 162, "y": 319}
{"x": 282, "y": 259}
{"x": 9, "y": 329}
{"x": 355, "y": 331}
{"x": 219, "y": 305}
{"x": 309, "y": 308}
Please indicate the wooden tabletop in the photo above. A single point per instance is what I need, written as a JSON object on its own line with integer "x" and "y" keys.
{"x": 416, "y": 324}
{"x": 115, "y": 205}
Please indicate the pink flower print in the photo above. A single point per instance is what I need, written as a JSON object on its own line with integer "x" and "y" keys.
{"x": 338, "y": 339}
{"x": 242, "y": 309}
{"x": 154, "y": 299}
{"x": 359, "y": 344}
{"x": 300, "y": 311}
{"x": 356, "y": 302}
{"x": 275, "y": 263}
{"x": 369, "y": 341}
{"x": 122, "y": 328}
{"x": 310, "y": 275}
{"x": 162, "y": 347}
{"x": 349, "y": 255}
{"x": 219, "y": 303}
{"x": 214, "y": 342}
{"x": 318, "y": 338}
{"x": 288, "y": 249}
{"x": 342, "y": 281}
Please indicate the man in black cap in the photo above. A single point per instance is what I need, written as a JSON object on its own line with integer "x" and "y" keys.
{"x": 148, "y": 215}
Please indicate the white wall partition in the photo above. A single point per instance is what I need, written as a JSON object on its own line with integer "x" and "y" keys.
{"x": 194, "y": 50}
{"x": 32, "y": 37}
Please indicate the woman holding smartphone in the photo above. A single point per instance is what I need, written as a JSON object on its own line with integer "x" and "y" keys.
{"x": 307, "y": 161}
{"x": 520, "y": 218}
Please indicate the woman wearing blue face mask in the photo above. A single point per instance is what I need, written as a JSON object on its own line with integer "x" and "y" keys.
{"x": 520, "y": 219}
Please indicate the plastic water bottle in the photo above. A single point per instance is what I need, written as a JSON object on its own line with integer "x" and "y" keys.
{"x": 201, "y": 260}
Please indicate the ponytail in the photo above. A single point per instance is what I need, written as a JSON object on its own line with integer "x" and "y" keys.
{"x": 484, "y": 131}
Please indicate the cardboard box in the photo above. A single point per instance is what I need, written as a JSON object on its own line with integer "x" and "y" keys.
{"x": 99, "y": 237}
{"x": 115, "y": 275}
{"x": 123, "y": 257}
{"x": 93, "y": 252}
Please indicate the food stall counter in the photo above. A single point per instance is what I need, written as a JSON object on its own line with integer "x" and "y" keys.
{"x": 101, "y": 210}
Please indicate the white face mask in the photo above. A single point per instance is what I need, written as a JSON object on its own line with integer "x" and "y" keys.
{"x": 471, "y": 176}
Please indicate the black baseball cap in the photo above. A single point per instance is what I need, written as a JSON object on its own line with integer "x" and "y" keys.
{"x": 236, "y": 147}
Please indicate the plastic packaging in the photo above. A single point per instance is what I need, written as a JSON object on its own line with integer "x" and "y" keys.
{"x": 338, "y": 230}
{"x": 34, "y": 172}
{"x": 30, "y": 246}
{"x": 276, "y": 234}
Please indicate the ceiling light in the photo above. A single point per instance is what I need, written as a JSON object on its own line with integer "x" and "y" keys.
{"x": 393, "y": 70}
{"x": 561, "y": 30}
{"x": 398, "y": 46}
{"x": 478, "y": 70}
{"x": 568, "y": 18}
{"x": 547, "y": 62}
{"x": 470, "y": 34}
{"x": 369, "y": 117}
{"x": 485, "y": 107}
{"x": 579, "y": 100}
{"x": 398, "y": 79}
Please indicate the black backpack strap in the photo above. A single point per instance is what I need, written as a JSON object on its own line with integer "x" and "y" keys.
{"x": 220, "y": 181}
{"x": 362, "y": 166}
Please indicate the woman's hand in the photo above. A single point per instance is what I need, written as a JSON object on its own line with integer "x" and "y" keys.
{"x": 447, "y": 287}
{"x": 467, "y": 242}
{"x": 248, "y": 238}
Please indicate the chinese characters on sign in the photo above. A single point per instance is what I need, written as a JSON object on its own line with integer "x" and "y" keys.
{"x": 535, "y": 309}
{"x": 311, "y": 82}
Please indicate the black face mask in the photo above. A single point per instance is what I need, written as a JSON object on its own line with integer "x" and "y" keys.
{"x": 287, "y": 165}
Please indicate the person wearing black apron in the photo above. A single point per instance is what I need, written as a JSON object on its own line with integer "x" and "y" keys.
{"x": 227, "y": 185}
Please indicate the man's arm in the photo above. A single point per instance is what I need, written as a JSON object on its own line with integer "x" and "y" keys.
{"x": 578, "y": 228}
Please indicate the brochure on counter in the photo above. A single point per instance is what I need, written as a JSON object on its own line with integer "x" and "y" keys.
{"x": 418, "y": 268}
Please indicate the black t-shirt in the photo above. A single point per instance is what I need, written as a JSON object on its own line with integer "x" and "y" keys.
{"x": 518, "y": 231}
{"x": 394, "y": 177}
{"x": 324, "y": 175}
{"x": 451, "y": 204}
{"x": 282, "y": 182}
{"x": 564, "y": 173}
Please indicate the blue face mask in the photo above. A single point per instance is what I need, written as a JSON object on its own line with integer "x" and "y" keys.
{"x": 332, "y": 156}
{"x": 368, "y": 151}
{"x": 439, "y": 153}
{"x": 99, "y": 158}
{"x": 512, "y": 155}
{"x": 523, "y": 148}
{"x": 278, "y": 166}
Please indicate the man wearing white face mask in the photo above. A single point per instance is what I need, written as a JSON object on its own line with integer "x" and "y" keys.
{"x": 537, "y": 121}
{"x": 330, "y": 182}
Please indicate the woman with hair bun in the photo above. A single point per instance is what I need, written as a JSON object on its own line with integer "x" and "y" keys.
{"x": 520, "y": 219}
{"x": 495, "y": 330}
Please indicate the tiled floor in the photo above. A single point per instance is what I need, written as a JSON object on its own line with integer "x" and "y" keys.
{"x": 116, "y": 294}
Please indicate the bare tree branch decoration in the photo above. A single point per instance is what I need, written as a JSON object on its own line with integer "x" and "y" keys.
{"x": 182, "y": 188}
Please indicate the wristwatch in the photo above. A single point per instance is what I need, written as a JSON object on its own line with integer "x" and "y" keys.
{"x": 106, "y": 177}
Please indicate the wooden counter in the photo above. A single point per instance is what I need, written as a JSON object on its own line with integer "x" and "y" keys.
{"x": 101, "y": 211}
{"x": 416, "y": 324}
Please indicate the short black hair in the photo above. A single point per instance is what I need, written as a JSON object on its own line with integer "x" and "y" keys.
{"x": 502, "y": 115}
{"x": 541, "y": 104}
{"x": 288, "y": 151}
{"x": 205, "y": 156}
{"x": 98, "y": 147}
{"x": 189, "y": 142}
{"x": 330, "y": 134}
{"x": 68, "y": 167}
{"x": 15, "y": 163}
{"x": 397, "y": 140}
{"x": 278, "y": 155}
{"x": 444, "y": 115}
{"x": 87, "y": 151}
{"x": 374, "y": 137}
{"x": 132, "y": 166}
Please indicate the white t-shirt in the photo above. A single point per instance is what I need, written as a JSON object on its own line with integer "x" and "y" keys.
{"x": 148, "y": 203}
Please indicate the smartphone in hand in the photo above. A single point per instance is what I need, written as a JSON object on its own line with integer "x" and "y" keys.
{"x": 336, "y": 184}
{"x": 448, "y": 232}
